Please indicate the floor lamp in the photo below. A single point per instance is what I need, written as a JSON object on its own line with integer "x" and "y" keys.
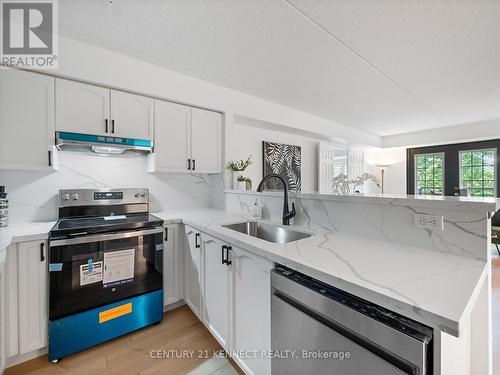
{"x": 382, "y": 168}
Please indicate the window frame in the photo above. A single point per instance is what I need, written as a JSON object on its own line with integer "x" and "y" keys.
{"x": 452, "y": 169}
{"x": 415, "y": 168}
{"x": 495, "y": 177}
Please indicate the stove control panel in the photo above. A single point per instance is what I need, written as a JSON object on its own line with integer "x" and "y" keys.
{"x": 99, "y": 195}
{"x": 88, "y": 197}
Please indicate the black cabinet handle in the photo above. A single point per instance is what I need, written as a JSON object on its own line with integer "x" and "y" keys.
{"x": 113, "y": 126}
{"x": 106, "y": 122}
{"x": 166, "y": 234}
{"x": 194, "y": 164}
{"x": 42, "y": 253}
{"x": 50, "y": 158}
{"x": 189, "y": 164}
{"x": 223, "y": 261}
{"x": 228, "y": 261}
{"x": 197, "y": 241}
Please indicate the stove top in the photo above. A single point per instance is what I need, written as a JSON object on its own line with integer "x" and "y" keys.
{"x": 90, "y": 211}
{"x": 103, "y": 224}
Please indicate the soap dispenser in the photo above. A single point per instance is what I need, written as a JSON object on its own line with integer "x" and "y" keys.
{"x": 256, "y": 211}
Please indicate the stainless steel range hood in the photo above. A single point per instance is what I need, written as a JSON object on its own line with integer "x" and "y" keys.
{"x": 101, "y": 144}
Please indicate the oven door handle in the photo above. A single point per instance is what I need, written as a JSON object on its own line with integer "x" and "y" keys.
{"x": 105, "y": 237}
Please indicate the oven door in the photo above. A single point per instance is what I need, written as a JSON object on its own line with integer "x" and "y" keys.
{"x": 94, "y": 270}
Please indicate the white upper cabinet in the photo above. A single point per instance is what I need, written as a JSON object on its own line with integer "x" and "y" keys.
{"x": 186, "y": 139}
{"x": 131, "y": 115}
{"x": 88, "y": 109}
{"x": 82, "y": 108}
{"x": 26, "y": 120}
{"x": 206, "y": 141}
{"x": 172, "y": 136}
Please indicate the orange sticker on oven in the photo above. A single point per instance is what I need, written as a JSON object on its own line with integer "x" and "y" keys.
{"x": 115, "y": 312}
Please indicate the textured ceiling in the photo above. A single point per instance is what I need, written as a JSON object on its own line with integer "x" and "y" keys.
{"x": 386, "y": 66}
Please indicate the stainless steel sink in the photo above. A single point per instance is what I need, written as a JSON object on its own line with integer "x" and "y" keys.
{"x": 268, "y": 232}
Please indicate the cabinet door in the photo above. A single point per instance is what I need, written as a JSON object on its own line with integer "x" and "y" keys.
{"x": 216, "y": 290}
{"x": 81, "y": 108}
{"x": 131, "y": 115}
{"x": 206, "y": 140}
{"x": 251, "y": 309}
{"x": 172, "y": 143}
{"x": 171, "y": 266}
{"x": 32, "y": 298}
{"x": 11, "y": 298}
{"x": 26, "y": 119}
{"x": 2, "y": 315}
{"x": 193, "y": 270}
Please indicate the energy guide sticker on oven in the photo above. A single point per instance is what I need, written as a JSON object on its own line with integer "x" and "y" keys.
{"x": 118, "y": 267}
{"x": 90, "y": 273}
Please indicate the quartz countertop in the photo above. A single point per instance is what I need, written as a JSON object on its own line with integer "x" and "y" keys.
{"x": 431, "y": 287}
{"x": 484, "y": 204}
{"x": 434, "y": 288}
{"x": 21, "y": 232}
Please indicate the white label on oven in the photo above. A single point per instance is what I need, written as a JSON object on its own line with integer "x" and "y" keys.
{"x": 118, "y": 266}
{"x": 90, "y": 273}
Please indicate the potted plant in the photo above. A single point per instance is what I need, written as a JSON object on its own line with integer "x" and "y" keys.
{"x": 242, "y": 183}
{"x": 238, "y": 167}
{"x": 248, "y": 182}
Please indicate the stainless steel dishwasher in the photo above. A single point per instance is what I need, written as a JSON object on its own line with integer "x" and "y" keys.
{"x": 320, "y": 330}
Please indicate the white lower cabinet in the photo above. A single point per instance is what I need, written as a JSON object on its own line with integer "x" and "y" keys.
{"x": 26, "y": 297}
{"x": 216, "y": 276}
{"x": 193, "y": 270}
{"x": 232, "y": 298}
{"x": 171, "y": 266}
{"x": 2, "y": 313}
{"x": 251, "y": 309}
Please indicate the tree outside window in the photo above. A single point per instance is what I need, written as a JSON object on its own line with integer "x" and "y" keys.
{"x": 477, "y": 172}
{"x": 429, "y": 174}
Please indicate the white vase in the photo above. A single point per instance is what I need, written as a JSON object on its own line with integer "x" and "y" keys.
{"x": 242, "y": 185}
{"x": 236, "y": 174}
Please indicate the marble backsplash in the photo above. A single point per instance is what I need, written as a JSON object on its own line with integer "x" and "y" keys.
{"x": 466, "y": 230}
{"x": 33, "y": 194}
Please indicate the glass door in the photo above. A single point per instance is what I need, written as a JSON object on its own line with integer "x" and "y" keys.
{"x": 462, "y": 169}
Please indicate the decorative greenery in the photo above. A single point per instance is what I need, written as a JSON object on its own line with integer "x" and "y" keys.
{"x": 242, "y": 179}
{"x": 240, "y": 165}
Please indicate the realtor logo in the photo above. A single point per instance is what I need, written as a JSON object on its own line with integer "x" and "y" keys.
{"x": 29, "y": 34}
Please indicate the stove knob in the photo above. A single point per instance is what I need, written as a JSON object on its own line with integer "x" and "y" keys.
{"x": 137, "y": 195}
{"x": 66, "y": 197}
{"x": 143, "y": 195}
{"x": 76, "y": 196}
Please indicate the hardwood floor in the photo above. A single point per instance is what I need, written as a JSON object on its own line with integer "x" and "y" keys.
{"x": 131, "y": 354}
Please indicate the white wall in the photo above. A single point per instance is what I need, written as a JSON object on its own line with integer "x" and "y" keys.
{"x": 33, "y": 195}
{"x": 89, "y": 63}
{"x": 248, "y": 141}
{"x": 395, "y": 174}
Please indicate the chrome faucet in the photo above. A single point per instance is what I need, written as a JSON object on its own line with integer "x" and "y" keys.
{"x": 287, "y": 215}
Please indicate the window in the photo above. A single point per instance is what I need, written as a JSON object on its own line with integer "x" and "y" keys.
{"x": 429, "y": 176}
{"x": 477, "y": 172}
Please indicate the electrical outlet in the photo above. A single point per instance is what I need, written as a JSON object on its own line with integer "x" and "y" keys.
{"x": 432, "y": 222}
